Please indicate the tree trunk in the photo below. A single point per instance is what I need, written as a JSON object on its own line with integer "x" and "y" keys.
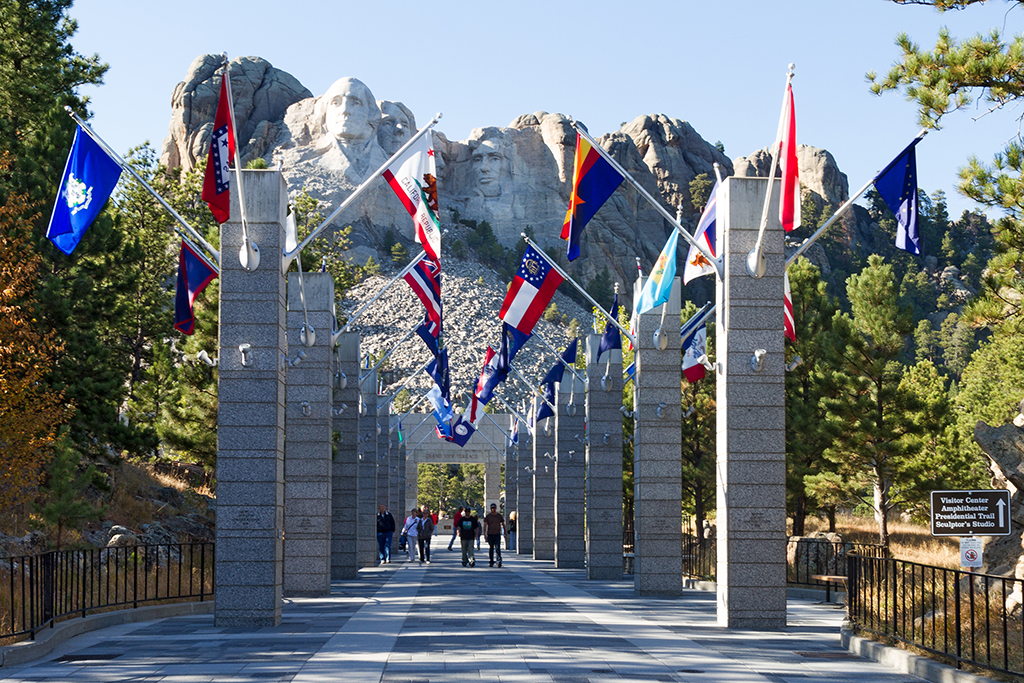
{"x": 831, "y": 511}
{"x": 881, "y": 512}
{"x": 800, "y": 515}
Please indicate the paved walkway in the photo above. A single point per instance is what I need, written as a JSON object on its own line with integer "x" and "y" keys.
{"x": 526, "y": 622}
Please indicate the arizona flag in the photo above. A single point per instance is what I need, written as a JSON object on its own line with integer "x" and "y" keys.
{"x": 788, "y": 324}
{"x": 696, "y": 345}
{"x": 658, "y": 287}
{"x": 789, "y": 206}
{"x": 194, "y": 273}
{"x": 413, "y": 177}
{"x": 532, "y": 288}
{"x": 90, "y": 176}
{"x": 696, "y": 265}
{"x": 594, "y": 180}
{"x": 217, "y": 184}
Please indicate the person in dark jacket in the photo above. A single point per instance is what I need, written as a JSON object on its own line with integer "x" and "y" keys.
{"x": 426, "y": 531}
{"x": 469, "y": 527}
{"x": 385, "y": 531}
{"x": 455, "y": 526}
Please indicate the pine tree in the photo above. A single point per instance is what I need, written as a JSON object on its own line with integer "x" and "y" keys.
{"x": 63, "y": 505}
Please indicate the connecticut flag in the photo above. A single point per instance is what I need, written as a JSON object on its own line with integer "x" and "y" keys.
{"x": 532, "y": 288}
{"x": 413, "y": 177}
{"x": 217, "y": 183}
{"x": 696, "y": 265}
{"x": 89, "y": 177}
{"x": 594, "y": 180}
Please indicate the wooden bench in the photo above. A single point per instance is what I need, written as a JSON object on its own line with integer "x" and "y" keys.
{"x": 829, "y": 579}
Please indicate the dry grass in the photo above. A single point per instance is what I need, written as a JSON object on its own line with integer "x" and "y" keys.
{"x": 907, "y": 541}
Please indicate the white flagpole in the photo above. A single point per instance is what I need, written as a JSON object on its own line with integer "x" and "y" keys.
{"x": 249, "y": 253}
{"x": 362, "y": 309}
{"x": 698, "y": 318}
{"x": 511, "y": 409}
{"x": 755, "y": 259}
{"x": 289, "y": 255}
{"x": 388, "y": 354}
{"x": 174, "y": 214}
{"x": 535, "y": 390}
{"x": 651, "y": 200}
{"x": 409, "y": 379}
{"x": 558, "y": 355}
{"x": 806, "y": 244}
{"x": 575, "y": 284}
{"x": 415, "y": 404}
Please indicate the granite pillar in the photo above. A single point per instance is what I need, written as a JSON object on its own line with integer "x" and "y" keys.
{"x": 366, "y": 542}
{"x": 308, "y": 424}
{"x": 251, "y": 407}
{"x": 345, "y": 468}
{"x": 657, "y": 452}
{"x": 492, "y": 484}
{"x": 383, "y": 460}
{"x": 570, "y": 464}
{"x": 511, "y": 479}
{"x": 751, "y": 417}
{"x": 543, "y": 487}
{"x": 604, "y": 463}
{"x": 524, "y": 495}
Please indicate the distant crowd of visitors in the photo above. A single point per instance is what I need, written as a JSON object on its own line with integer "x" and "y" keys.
{"x": 419, "y": 527}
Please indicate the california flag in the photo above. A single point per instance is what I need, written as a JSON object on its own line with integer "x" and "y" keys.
{"x": 414, "y": 179}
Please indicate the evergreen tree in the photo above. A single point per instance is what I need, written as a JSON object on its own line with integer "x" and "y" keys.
{"x": 63, "y": 505}
{"x": 806, "y": 441}
{"x": 700, "y": 191}
{"x": 926, "y": 341}
{"x": 956, "y": 337}
{"x": 871, "y": 417}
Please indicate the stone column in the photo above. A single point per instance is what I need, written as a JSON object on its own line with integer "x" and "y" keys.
{"x": 524, "y": 504}
{"x": 492, "y": 482}
{"x": 570, "y": 439}
{"x": 308, "y": 422}
{"x": 751, "y": 418}
{"x": 396, "y": 492}
{"x": 604, "y": 463}
{"x": 403, "y": 473}
{"x": 383, "y": 452}
{"x": 511, "y": 479}
{"x": 658, "y": 453}
{"x": 366, "y": 542}
{"x": 250, "y": 415}
{"x": 543, "y": 487}
{"x": 345, "y": 469}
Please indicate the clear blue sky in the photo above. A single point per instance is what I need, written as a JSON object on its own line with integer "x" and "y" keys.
{"x": 719, "y": 65}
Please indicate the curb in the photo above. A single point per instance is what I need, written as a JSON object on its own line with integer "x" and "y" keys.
{"x": 49, "y": 638}
{"x": 904, "y": 661}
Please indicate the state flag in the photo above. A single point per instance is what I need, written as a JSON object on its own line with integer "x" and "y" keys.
{"x": 413, "y": 177}
{"x": 425, "y": 280}
{"x": 217, "y": 183}
{"x": 696, "y": 264}
{"x": 658, "y": 287}
{"x": 594, "y": 180}
{"x": 90, "y": 176}
{"x": 532, "y": 288}
{"x": 897, "y": 185}
{"x": 612, "y": 338}
{"x": 194, "y": 273}
{"x": 695, "y": 346}
{"x": 788, "y": 323}
{"x": 789, "y": 204}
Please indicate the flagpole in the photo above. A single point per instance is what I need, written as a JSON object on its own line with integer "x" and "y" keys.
{"x": 533, "y": 388}
{"x": 511, "y": 409}
{"x": 698, "y": 318}
{"x": 388, "y": 354}
{"x": 651, "y": 200}
{"x": 124, "y": 165}
{"x": 575, "y": 284}
{"x": 409, "y": 379}
{"x": 755, "y": 259}
{"x": 408, "y": 412}
{"x": 362, "y": 309}
{"x": 806, "y": 244}
{"x": 249, "y": 253}
{"x": 416, "y": 429}
{"x": 496, "y": 450}
{"x": 287, "y": 256}
{"x": 560, "y": 359}
{"x": 507, "y": 435}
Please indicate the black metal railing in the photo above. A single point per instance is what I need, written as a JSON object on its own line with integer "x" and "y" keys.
{"x": 957, "y": 616}
{"x": 39, "y": 590}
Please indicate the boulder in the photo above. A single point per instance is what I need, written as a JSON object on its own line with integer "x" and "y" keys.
{"x": 1003, "y": 555}
{"x": 819, "y": 173}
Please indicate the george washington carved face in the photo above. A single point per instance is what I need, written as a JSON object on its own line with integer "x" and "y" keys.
{"x": 350, "y": 113}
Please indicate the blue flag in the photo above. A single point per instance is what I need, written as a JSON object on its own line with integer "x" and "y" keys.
{"x": 557, "y": 370}
{"x": 630, "y": 371}
{"x": 545, "y": 411}
{"x": 658, "y": 287}
{"x": 897, "y": 185}
{"x": 612, "y": 338}
{"x": 425, "y": 331}
{"x": 89, "y": 178}
{"x": 194, "y": 273}
{"x": 461, "y": 431}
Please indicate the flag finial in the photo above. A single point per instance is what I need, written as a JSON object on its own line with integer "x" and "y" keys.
{"x": 792, "y": 68}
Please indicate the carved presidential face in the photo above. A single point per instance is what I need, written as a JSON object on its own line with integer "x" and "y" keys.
{"x": 396, "y": 127}
{"x": 488, "y": 160}
{"x": 350, "y": 112}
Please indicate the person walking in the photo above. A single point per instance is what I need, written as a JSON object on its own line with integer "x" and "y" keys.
{"x": 469, "y": 527}
{"x": 426, "y": 511}
{"x": 494, "y": 527}
{"x": 455, "y": 526}
{"x": 512, "y": 530}
{"x": 479, "y": 527}
{"x": 426, "y": 531}
{"x": 385, "y": 532}
{"x": 411, "y": 529}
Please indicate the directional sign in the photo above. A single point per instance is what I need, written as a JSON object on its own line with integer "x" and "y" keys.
{"x": 971, "y": 513}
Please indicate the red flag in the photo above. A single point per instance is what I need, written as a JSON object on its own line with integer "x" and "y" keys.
{"x": 216, "y": 185}
{"x": 788, "y": 324}
{"x": 789, "y": 203}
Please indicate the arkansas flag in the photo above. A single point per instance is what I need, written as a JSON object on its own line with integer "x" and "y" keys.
{"x": 696, "y": 345}
{"x": 532, "y": 288}
{"x": 413, "y": 177}
{"x": 788, "y": 324}
{"x": 194, "y": 273}
{"x": 216, "y": 184}
{"x": 696, "y": 265}
{"x": 789, "y": 205}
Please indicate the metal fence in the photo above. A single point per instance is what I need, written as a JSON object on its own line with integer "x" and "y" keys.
{"x": 39, "y": 590}
{"x": 960, "y": 617}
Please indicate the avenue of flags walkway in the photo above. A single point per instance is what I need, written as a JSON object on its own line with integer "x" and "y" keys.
{"x": 525, "y": 622}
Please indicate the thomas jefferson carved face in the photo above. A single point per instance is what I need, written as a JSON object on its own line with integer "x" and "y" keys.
{"x": 350, "y": 112}
{"x": 488, "y": 159}
{"x": 396, "y": 126}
